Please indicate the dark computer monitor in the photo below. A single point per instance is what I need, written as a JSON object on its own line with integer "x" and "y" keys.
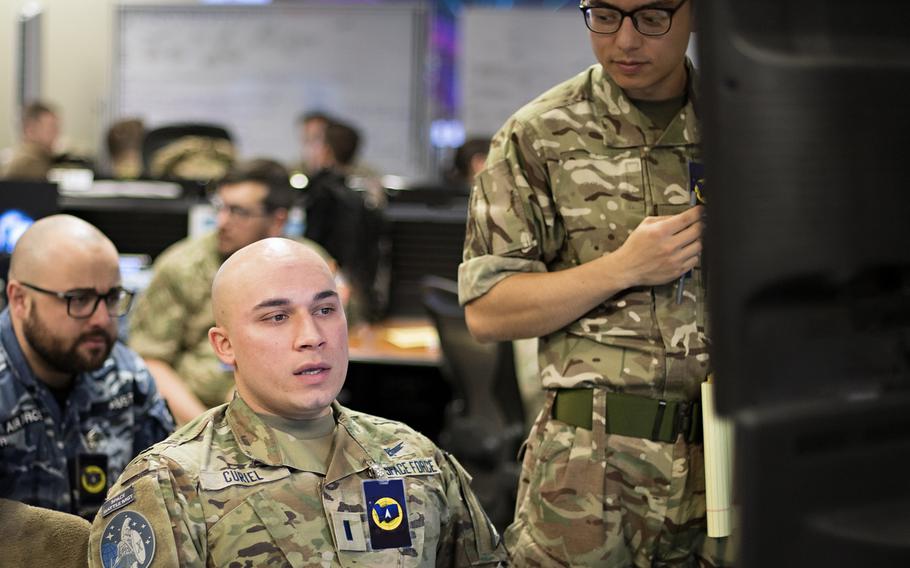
{"x": 21, "y": 204}
{"x": 806, "y": 113}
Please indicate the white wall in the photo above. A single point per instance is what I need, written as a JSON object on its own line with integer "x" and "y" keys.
{"x": 77, "y": 41}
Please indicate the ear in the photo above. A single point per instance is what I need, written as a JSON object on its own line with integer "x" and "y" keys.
{"x": 279, "y": 218}
{"x": 18, "y": 300}
{"x": 221, "y": 343}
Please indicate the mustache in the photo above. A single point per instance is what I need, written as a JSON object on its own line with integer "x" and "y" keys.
{"x": 97, "y": 333}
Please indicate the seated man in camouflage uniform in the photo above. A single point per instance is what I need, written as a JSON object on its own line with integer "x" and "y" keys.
{"x": 284, "y": 475}
{"x": 170, "y": 324}
{"x": 75, "y": 405}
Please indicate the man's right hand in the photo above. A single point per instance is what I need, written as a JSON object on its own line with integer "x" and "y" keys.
{"x": 661, "y": 249}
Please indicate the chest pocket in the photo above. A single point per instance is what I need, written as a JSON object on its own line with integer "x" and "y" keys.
{"x": 600, "y": 199}
{"x": 263, "y": 531}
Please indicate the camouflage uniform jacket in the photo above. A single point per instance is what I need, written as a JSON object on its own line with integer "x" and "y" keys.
{"x": 172, "y": 317}
{"x": 568, "y": 177}
{"x": 220, "y": 492}
{"x": 114, "y": 411}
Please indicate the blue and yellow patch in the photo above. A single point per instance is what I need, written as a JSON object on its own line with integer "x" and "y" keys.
{"x": 387, "y": 513}
{"x": 128, "y": 540}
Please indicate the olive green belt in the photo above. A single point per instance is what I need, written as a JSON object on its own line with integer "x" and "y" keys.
{"x": 630, "y": 415}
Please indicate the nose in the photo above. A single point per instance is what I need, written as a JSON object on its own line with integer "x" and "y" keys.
{"x": 221, "y": 217}
{"x": 627, "y": 37}
{"x": 309, "y": 335}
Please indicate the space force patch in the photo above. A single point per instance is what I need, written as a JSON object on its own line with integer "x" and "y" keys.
{"x": 128, "y": 540}
{"x": 387, "y": 513}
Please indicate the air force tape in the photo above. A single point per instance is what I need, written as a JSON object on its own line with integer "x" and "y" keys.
{"x": 387, "y": 513}
{"x": 128, "y": 541}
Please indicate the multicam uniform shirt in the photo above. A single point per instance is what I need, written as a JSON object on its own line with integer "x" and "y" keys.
{"x": 172, "y": 317}
{"x": 114, "y": 412}
{"x": 221, "y": 492}
{"x": 568, "y": 178}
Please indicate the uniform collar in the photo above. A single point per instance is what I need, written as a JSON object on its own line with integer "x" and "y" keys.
{"x": 629, "y": 127}
{"x": 258, "y": 442}
{"x": 15, "y": 358}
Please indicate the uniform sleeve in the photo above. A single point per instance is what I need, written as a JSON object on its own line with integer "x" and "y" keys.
{"x": 468, "y": 538}
{"x": 511, "y": 216}
{"x": 153, "y": 421}
{"x": 158, "y": 318}
{"x": 151, "y": 518}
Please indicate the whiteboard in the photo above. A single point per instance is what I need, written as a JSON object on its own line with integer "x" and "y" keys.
{"x": 510, "y": 56}
{"x": 255, "y": 69}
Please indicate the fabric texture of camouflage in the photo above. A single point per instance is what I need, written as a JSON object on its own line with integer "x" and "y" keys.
{"x": 29, "y": 162}
{"x": 568, "y": 178}
{"x": 172, "y": 317}
{"x": 221, "y": 492}
{"x": 114, "y": 411}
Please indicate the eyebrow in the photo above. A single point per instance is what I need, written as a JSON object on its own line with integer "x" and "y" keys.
{"x": 325, "y": 294}
{"x": 272, "y": 303}
{"x": 283, "y": 302}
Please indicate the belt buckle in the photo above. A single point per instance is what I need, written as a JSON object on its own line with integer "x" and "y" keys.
{"x": 683, "y": 423}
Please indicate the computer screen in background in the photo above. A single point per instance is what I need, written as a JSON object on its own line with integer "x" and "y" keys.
{"x": 21, "y": 204}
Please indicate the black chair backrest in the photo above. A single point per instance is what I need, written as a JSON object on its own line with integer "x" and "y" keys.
{"x": 483, "y": 374}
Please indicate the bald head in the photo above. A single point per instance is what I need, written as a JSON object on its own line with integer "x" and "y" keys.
{"x": 54, "y": 241}
{"x": 59, "y": 260}
{"x": 252, "y": 265}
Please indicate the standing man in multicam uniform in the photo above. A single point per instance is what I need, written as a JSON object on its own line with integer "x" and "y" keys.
{"x": 284, "y": 475}
{"x": 580, "y": 228}
{"x": 75, "y": 405}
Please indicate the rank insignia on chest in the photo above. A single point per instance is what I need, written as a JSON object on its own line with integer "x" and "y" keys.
{"x": 387, "y": 513}
{"x": 128, "y": 541}
{"x": 697, "y": 182}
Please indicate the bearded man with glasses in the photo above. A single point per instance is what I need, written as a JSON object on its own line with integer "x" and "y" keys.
{"x": 580, "y": 228}
{"x": 75, "y": 405}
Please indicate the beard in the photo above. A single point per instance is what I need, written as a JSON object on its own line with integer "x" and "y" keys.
{"x": 66, "y": 358}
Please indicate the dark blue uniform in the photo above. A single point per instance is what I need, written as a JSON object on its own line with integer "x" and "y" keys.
{"x": 66, "y": 458}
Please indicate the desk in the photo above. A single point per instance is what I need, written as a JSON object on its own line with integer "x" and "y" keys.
{"x": 395, "y": 382}
{"x": 371, "y": 343}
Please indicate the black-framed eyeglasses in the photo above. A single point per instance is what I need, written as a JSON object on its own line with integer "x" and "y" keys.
{"x": 236, "y": 210}
{"x": 648, "y": 20}
{"x": 81, "y": 304}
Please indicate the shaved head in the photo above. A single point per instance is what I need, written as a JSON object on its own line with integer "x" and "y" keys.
{"x": 244, "y": 269}
{"x": 53, "y": 239}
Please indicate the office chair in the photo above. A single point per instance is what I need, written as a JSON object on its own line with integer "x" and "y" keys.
{"x": 187, "y": 151}
{"x": 484, "y": 424}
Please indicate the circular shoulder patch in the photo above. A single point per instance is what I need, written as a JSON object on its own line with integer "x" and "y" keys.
{"x": 128, "y": 540}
